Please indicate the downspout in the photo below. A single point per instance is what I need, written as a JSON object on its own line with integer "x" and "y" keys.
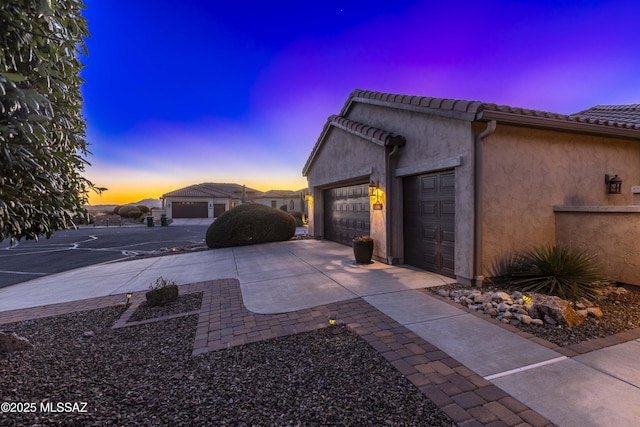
{"x": 477, "y": 170}
{"x": 388, "y": 182}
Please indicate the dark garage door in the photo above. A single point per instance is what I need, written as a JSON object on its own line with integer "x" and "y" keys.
{"x": 190, "y": 210}
{"x": 346, "y": 213}
{"x": 429, "y": 222}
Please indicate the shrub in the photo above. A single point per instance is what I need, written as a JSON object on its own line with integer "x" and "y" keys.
{"x": 249, "y": 224}
{"x": 161, "y": 292}
{"x": 284, "y": 208}
{"x": 116, "y": 209}
{"x": 554, "y": 270}
{"x": 143, "y": 208}
{"x": 135, "y": 214}
{"x": 298, "y": 217}
{"x": 124, "y": 210}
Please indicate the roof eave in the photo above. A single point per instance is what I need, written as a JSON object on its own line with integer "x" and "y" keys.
{"x": 552, "y": 123}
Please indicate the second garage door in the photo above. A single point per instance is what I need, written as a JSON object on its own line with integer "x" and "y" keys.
{"x": 190, "y": 210}
{"x": 346, "y": 213}
{"x": 429, "y": 222}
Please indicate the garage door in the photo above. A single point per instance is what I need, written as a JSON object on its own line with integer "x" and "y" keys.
{"x": 190, "y": 210}
{"x": 429, "y": 222}
{"x": 346, "y": 213}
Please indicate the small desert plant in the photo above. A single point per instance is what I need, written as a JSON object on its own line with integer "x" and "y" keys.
{"x": 362, "y": 239}
{"x": 554, "y": 270}
{"x": 161, "y": 292}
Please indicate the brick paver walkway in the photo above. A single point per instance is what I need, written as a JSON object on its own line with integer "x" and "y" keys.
{"x": 224, "y": 322}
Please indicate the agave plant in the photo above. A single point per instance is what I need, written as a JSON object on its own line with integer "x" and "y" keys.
{"x": 561, "y": 271}
{"x": 505, "y": 266}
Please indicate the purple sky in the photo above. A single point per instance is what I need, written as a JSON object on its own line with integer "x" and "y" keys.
{"x": 183, "y": 92}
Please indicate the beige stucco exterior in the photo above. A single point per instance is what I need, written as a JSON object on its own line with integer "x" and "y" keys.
{"x": 526, "y": 172}
{"x": 512, "y": 168}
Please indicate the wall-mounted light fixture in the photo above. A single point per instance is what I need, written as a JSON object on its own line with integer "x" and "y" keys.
{"x": 374, "y": 193}
{"x": 614, "y": 184}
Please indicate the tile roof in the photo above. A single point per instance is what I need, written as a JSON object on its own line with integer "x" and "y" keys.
{"x": 370, "y": 133}
{"x": 612, "y": 120}
{"x": 212, "y": 189}
{"x": 610, "y": 114}
{"x": 280, "y": 194}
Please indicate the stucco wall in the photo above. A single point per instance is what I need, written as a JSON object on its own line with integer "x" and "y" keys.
{"x": 433, "y": 143}
{"x": 346, "y": 159}
{"x": 526, "y": 172}
{"x": 612, "y": 237}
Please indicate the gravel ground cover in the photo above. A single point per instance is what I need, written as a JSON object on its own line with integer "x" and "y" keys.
{"x": 621, "y": 312}
{"x": 146, "y": 375}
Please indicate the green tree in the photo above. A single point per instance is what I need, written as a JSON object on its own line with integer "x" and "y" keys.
{"x": 42, "y": 132}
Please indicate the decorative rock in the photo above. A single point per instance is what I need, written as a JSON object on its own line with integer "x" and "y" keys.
{"x": 580, "y": 306}
{"x": 523, "y": 318}
{"x": 555, "y": 308}
{"x": 594, "y": 312}
{"x": 507, "y": 315}
{"x": 548, "y": 319}
{"x": 88, "y": 334}
{"x": 582, "y": 313}
{"x": 10, "y": 342}
{"x": 537, "y": 322}
{"x": 483, "y": 298}
{"x": 493, "y": 312}
{"x": 443, "y": 293}
{"x": 501, "y": 296}
{"x": 503, "y": 306}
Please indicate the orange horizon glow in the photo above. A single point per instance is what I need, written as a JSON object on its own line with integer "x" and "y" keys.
{"x": 123, "y": 192}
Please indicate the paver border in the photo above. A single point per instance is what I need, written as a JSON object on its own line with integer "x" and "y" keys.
{"x": 224, "y": 322}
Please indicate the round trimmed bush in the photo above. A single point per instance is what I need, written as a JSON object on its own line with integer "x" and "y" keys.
{"x": 124, "y": 210}
{"x": 249, "y": 224}
{"x": 116, "y": 209}
{"x": 143, "y": 208}
{"x": 135, "y": 214}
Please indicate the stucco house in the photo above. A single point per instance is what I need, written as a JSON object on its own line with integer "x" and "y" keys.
{"x": 293, "y": 200}
{"x": 205, "y": 200}
{"x": 454, "y": 184}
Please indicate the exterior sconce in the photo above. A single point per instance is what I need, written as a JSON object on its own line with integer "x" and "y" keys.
{"x": 614, "y": 185}
{"x": 374, "y": 191}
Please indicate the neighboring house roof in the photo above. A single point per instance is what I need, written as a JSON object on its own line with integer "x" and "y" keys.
{"x": 213, "y": 189}
{"x": 628, "y": 114}
{"x": 281, "y": 194}
{"x": 614, "y": 120}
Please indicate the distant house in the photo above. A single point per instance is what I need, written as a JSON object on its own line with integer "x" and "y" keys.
{"x": 293, "y": 200}
{"x": 206, "y": 200}
{"x": 449, "y": 185}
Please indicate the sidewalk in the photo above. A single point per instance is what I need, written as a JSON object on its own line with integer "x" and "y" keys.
{"x": 479, "y": 372}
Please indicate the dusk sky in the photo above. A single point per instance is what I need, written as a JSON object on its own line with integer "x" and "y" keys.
{"x": 190, "y": 91}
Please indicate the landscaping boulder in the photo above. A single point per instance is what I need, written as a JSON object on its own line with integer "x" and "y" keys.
{"x": 10, "y": 342}
{"x": 554, "y": 310}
